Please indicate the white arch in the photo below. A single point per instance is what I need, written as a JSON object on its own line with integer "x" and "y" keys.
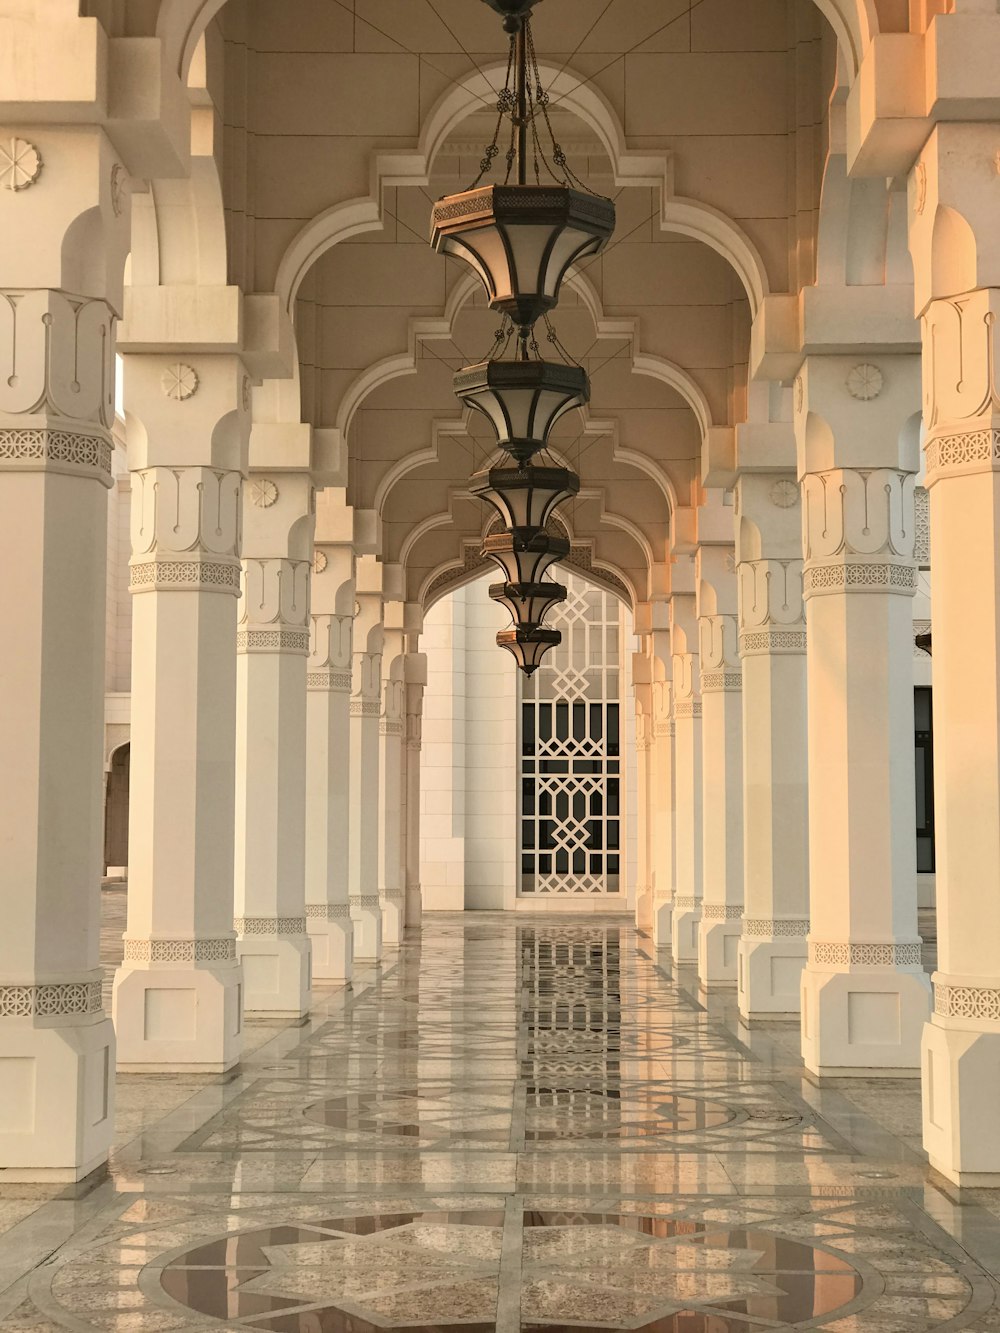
{"x": 685, "y": 216}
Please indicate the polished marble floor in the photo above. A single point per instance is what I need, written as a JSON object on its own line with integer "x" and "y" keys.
{"x": 514, "y": 1123}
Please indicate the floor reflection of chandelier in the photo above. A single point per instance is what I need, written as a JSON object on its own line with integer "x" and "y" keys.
{"x": 521, "y": 239}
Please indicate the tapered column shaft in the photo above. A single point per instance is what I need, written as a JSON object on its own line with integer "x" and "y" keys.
{"x": 366, "y": 711}
{"x": 688, "y": 790}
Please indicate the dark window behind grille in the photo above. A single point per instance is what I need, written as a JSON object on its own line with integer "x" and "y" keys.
{"x": 571, "y": 798}
{"x": 924, "y": 741}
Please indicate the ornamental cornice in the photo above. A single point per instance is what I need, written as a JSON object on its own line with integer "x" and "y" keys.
{"x": 71, "y": 453}
{"x": 962, "y": 453}
{"x": 773, "y": 642}
{"x": 780, "y": 927}
{"x": 291, "y": 641}
{"x": 334, "y": 682}
{"x": 721, "y": 682}
{"x": 328, "y": 911}
{"x": 270, "y": 925}
{"x": 864, "y": 955}
{"x": 51, "y": 999}
{"x": 185, "y": 576}
{"x": 859, "y": 576}
{"x": 220, "y": 950}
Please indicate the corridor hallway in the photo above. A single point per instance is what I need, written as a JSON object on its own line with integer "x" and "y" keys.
{"x": 519, "y": 1122}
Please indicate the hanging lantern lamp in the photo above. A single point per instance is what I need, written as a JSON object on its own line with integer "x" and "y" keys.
{"x": 525, "y": 497}
{"x": 528, "y": 603}
{"x": 525, "y": 554}
{"x": 521, "y": 238}
{"x": 529, "y": 646}
{"x": 522, "y": 400}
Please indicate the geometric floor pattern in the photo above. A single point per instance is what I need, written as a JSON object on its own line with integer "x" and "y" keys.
{"x": 513, "y": 1124}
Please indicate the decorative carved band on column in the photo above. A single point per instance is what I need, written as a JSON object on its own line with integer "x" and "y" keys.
{"x": 860, "y": 576}
{"x": 292, "y": 641}
{"x": 72, "y": 453}
{"x": 965, "y": 453}
{"x": 388, "y": 727}
{"x": 643, "y": 744}
{"x": 773, "y": 642}
{"x": 368, "y": 900}
{"x": 335, "y": 682}
{"x": 687, "y": 708}
{"x": 51, "y": 999}
{"x": 328, "y": 911}
{"x": 185, "y": 576}
{"x": 721, "y": 682}
{"x": 663, "y": 730}
{"x": 981, "y": 1003}
{"x": 270, "y": 925}
{"x": 864, "y": 955}
{"x": 181, "y": 951}
{"x": 766, "y": 927}
{"x": 721, "y": 911}
{"x": 685, "y": 903}
{"x": 365, "y": 708}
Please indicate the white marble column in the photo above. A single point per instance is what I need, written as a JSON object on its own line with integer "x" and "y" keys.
{"x": 177, "y": 995}
{"x": 391, "y": 887}
{"x": 865, "y": 996}
{"x": 57, "y": 1047}
{"x": 722, "y": 769}
{"x": 663, "y": 805}
{"x": 272, "y": 647}
{"x": 366, "y": 712}
{"x": 775, "y": 753}
{"x": 328, "y": 747}
{"x": 416, "y": 680}
{"x": 643, "y": 794}
{"x": 688, "y": 839}
{"x": 958, "y": 293}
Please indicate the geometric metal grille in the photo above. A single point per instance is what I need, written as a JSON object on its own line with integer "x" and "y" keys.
{"x": 571, "y": 780}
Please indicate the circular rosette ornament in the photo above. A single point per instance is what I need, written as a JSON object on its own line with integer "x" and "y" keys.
{"x": 529, "y": 646}
{"x": 525, "y": 497}
{"x": 522, "y": 400}
{"x": 521, "y": 240}
{"x": 528, "y": 603}
{"x": 525, "y": 554}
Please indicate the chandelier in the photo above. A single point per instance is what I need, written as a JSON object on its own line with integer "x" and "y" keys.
{"x": 521, "y": 238}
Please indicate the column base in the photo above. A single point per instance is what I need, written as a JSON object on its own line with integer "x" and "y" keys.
{"x": 662, "y": 915}
{"x": 718, "y": 951}
{"x": 684, "y": 925}
{"x": 863, "y": 1023}
{"x": 367, "y": 920}
{"x": 770, "y": 978}
{"x": 393, "y": 923}
{"x": 644, "y": 907}
{"x": 57, "y": 1091}
{"x": 332, "y": 940}
{"x": 277, "y": 975}
{"x": 961, "y": 1093}
{"x": 180, "y": 1019}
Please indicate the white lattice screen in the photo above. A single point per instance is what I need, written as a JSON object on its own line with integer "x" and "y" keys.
{"x": 571, "y": 754}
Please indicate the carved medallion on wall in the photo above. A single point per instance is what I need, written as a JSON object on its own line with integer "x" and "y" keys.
{"x": 20, "y": 164}
{"x": 865, "y": 382}
{"x": 320, "y": 561}
{"x": 784, "y": 494}
{"x": 179, "y": 381}
{"x": 263, "y": 492}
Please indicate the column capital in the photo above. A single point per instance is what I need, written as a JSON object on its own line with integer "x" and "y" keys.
{"x": 859, "y": 532}
{"x": 185, "y": 530}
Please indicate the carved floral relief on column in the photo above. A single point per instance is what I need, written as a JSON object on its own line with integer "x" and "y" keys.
{"x": 275, "y": 607}
{"x": 331, "y": 654}
{"x": 719, "y": 651}
{"x": 56, "y": 383}
{"x": 772, "y": 614}
{"x": 859, "y": 532}
{"x": 186, "y": 530}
